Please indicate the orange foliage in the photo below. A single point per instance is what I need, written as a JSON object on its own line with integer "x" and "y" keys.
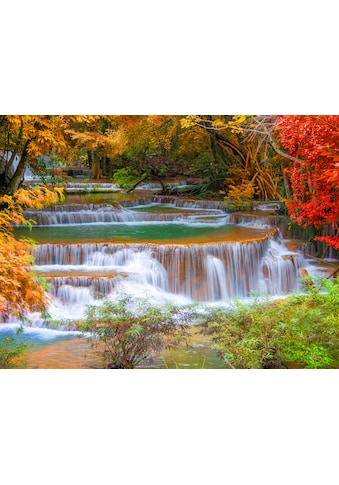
{"x": 104, "y": 134}
{"x": 194, "y": 141}
{"x": 43, "y": 134}
{"x": 21, "y": 289}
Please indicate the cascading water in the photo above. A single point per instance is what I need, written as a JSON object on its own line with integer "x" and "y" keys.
{"x": 216, "y": 277}
{"x": 280, "y": 269}
{"x": 106, "y": 213}
{"x": 91, "y": 187}
{"x": 164, "y": 249}
{"x": 202, "y": 272}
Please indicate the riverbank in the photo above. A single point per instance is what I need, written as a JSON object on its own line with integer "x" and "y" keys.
{"x": 70, "y": 354}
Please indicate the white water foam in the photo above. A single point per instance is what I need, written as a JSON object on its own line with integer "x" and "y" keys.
{"x": 211, "y": 273}
{"x": 42, "y": 333}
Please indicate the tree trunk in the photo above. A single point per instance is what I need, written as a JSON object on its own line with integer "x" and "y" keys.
{"x": 223, "y": 142}
{"x": 5, "y": 177}
{"x": 287, "y": 186}
{"x": 151, "y": 175}
{"x": 9, "y": 163}
{"x": 107, "y": 167}
{"x": 175, "y": 138}
{"x": 18, "y": 175}
{"x": 89, "y": 158}
{"x": 96, "y": 172}
{"x": 214, "y": 155}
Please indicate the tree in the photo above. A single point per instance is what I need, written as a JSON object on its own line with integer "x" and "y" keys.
{"x": 30, "y": 137}
{"x": 244, "y": 153}
{"x": 102, "y": 138}
{"x": 313, "y": 141}
{"x": 21, "y": 289}
{"x": 129, "y": 331}
{"x": 152, "y": 150}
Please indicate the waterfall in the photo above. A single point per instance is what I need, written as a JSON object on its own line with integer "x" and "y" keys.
{"x": 136, "y": 202}
{"x": 106, "y": 213}
{"x": 150, "y": 186}
{"x": 95, "y": 285}
{"x": 280, "y": 269}
{"x": 216, "y": 276}
{"x": 109, "y": 263}
{"x": 69, "y": 294}
{"x": 188, "y": 203}
{"x": 80, "y": 214}
{"x": 249, "y": 220}
{"x": 202, "y": 272}
{"x": 162, "y": 249}
{"x": 280, "y": 222}
{"x": 91, "y": 187}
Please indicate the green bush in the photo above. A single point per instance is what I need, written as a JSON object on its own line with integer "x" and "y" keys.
{"x": 300, "y": 331}
{"x": 126, "y": 177}
{"x": 129, "y": 331}
{"x": 11, "y": 354}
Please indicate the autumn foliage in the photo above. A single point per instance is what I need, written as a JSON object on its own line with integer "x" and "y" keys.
{"x": 235, "y": 155}
{"x": 314, "y": 174}
{"x": 21, "y": 289}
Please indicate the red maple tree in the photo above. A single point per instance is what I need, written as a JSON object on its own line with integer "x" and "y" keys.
{"x": 313, "y": 141}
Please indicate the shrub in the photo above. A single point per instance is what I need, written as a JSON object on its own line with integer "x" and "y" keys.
{"x": 11, "y": 355}
{"x": 240, "y": 197}
{"x": 126, "y": 177}
{"x": 299, "y": 331}
{"x": 129, "y": 331}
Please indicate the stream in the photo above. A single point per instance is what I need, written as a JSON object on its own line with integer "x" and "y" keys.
{"x": 102, "y": 245}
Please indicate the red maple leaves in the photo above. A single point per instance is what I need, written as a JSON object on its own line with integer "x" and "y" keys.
{"x": 314, "y": 140}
